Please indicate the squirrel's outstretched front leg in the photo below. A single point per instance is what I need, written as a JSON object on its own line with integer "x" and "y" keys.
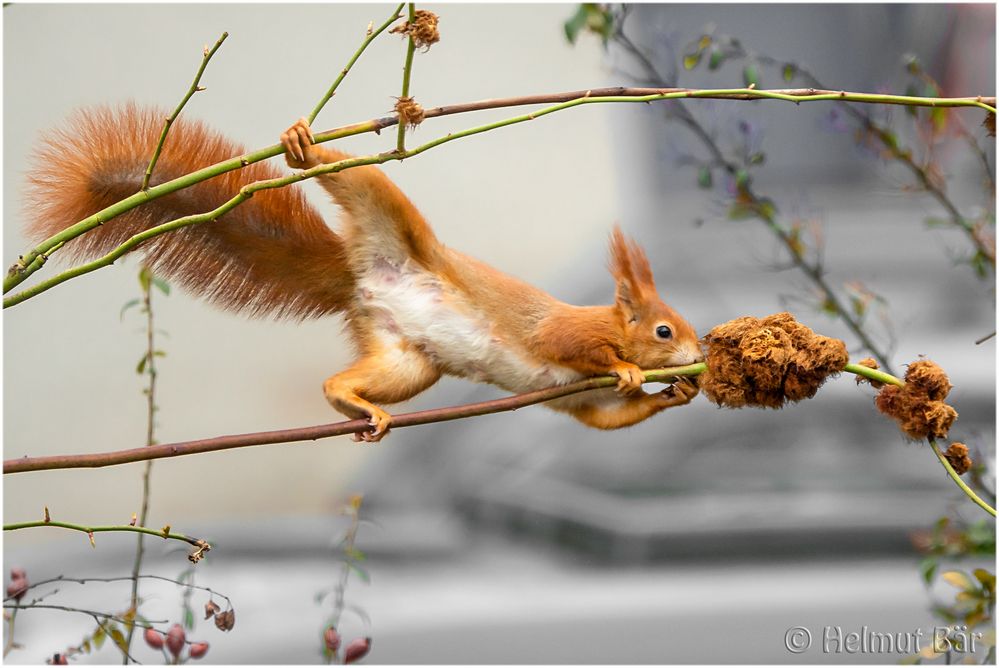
{"x": 633, "y": 409}
{"x": 384, "y": 374}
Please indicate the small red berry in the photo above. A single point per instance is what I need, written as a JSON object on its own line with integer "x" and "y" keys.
{"x": 18, "y": 574}
{"x": 17, "y": 588}
{"x": 198, "y": 649}
{"x": 357, "y": 649}
{"x": 154, "y": 638}
{"x": 332, "y": 640}
{"x": 175, "y": 639}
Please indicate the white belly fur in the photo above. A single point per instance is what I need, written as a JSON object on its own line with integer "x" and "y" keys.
{"x": 408, "y": 303}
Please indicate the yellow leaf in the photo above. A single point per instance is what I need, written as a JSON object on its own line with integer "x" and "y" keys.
{"x": 959, "y": 580}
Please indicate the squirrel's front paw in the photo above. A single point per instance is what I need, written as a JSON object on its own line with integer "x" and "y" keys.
{"x": 679, "y": 393}
{"x": 631, "y": 378}
{"x": 297, "y": 142}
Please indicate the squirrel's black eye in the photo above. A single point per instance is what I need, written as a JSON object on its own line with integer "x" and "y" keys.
{"x": 664, "y": 332}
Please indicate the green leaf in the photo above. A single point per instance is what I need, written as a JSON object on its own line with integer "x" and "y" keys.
{"x": 789, "y": 72}
{"x": 704, "y": 178}
{"x": 355, "y": 554}
{"x": 937, "y": 222}
{"x": 928, "y": 569}
{"x": 188, "y": 617}
{"x": 127, "y": 305}
{"x": 141, "y": 366}
{"x": 98, "y": 637}
{"x": 691, "y": 59}
{"x": 361, "y": 573}
{"x": 145, "y": 278}
{"x": 751, "y": 76}
{"x": 757, "y": 158}
{"x": 575, "y": 24}
{"x": 119, "y": 639}
{"x": 162, "y": 285}
{"x": 741, "y": 179}
{"x": 159, "y": 353}
{"x": 716, "y": 59}
{"x": 86, "y": 646}
{"x": 599, "y": 20}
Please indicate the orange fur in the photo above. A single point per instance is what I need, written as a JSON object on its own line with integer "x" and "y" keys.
{"x": 272, "y": 254}
{"x": 415, "y": 308}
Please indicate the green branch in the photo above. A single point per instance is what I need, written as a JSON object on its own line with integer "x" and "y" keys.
{"x": 32, "y": 261}
{"x": 407, "y": 72}
{"x": 350, "y": 63}
{"x": 195, "y": 87}
{"x": 161, "y": 533}
{"x": 957, "y": 480}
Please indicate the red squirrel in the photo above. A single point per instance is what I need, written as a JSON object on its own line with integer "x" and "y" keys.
{"x": 415, "y": 308}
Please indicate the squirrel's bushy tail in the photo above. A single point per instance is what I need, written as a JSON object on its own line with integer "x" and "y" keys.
{"x": 272, "y": 254}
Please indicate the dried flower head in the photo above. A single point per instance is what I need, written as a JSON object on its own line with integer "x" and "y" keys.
{"x": 918, "y": 407}
{"x": 211, "y": 608}
{"x": 990, "y": 123}
{"x": 767, "y": 362}
{"x": 422, "y": 29}
{"x": 870, "y": 363}
{"x": 957, "y": 455}
{"x": 410, "y": 112}
{"x": 199, "y": 553}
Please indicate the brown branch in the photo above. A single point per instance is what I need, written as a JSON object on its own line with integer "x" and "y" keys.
{"x": 97, "y": 460}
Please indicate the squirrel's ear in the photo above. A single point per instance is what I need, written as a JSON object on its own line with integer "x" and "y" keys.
{"x": 632, "y": 273}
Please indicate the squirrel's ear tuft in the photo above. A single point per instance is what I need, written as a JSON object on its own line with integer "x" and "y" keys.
{"x": 631, "y": 271}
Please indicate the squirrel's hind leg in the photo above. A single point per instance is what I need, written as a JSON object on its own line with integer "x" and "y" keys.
{"x": 385, "y": 374}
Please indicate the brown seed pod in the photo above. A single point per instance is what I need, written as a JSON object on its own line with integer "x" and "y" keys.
{"x": 423, "y": 29}
{"x": 918, "y": 407}
{"x": 225, "y": 620}
{"x": 767, "y": 362}
{"x": 210, "y": 609}
{"x": 410, "y": 112}
{"x": 957, "y": 455}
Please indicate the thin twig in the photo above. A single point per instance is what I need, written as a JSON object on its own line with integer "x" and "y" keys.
{"x": 148, "y": 624}
{"x": 901, "y": 154}
{"x": 407, "y": 72}
{"x": 83, "y": 581}
{"x": 957, "y": 480}
{"x": 197, "y": 542}
{"x": 195, "y": 87}
{"x": 29, "y": 262}
{"x": 371, "y": 35}
{"x": 511, "y": 403}
{"x": 9, "y": 645}
{"x": 812, "y": 270}
{"x": 146, "y": 282}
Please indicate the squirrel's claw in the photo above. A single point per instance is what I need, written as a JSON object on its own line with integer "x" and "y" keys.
{"x": 679, "y": 393}
{"x": 297, "y": 141}
{"x": 631, "y": 378}
{"x": 380, "y": 422}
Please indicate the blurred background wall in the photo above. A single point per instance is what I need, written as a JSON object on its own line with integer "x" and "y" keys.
{"x": 518, "y": 537}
